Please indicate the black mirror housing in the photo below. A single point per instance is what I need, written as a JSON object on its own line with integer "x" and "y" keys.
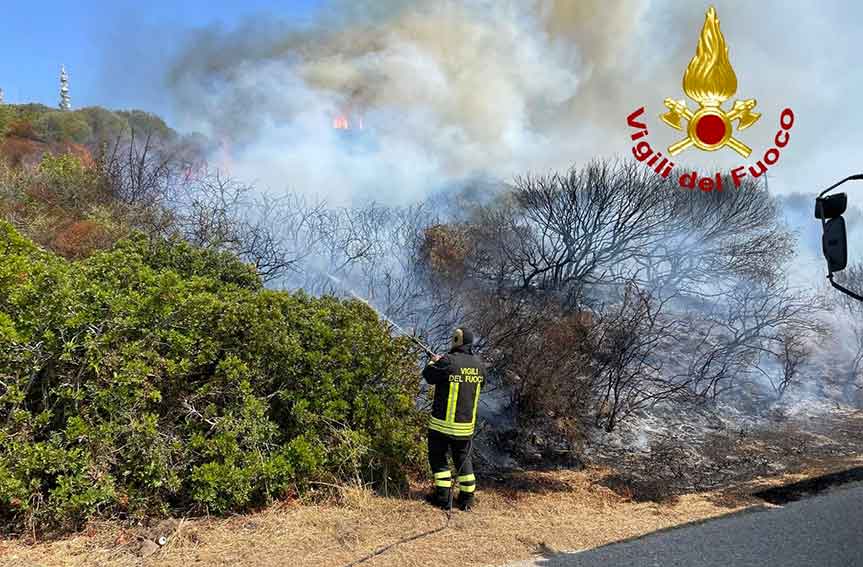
{"x": 834, "y": 240}
{"x": 834, "y": 243}
{"x": 831, "y": 207}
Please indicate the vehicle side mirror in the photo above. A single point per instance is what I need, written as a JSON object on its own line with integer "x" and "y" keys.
{"x": 831, "y": 207}
{"x": 834, "y": 240}
{"x": 834, "y": 243}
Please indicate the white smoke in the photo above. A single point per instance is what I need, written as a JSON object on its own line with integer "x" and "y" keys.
{"x": 454, "y": 90}
{"x": 451, "y": 89}
{"x": 446, "y": 90}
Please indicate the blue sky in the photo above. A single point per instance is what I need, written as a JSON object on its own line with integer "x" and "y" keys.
{"x": 114, "y": 50}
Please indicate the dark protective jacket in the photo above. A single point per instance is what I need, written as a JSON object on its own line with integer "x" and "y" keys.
{"x": 457, "y": 378}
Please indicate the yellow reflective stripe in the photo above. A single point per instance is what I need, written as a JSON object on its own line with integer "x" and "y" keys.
{"x": 446, "y": 427}
{"x": 443, "y": 483}
{"x": 466, "y": 478}
{"x": 452, "y": 424}
{"x": 458, "y": 429}
{"x": 452, "y": 402}
{"x": 443, "y": 474}
{"x": 433, "y": 421}
{"x": 475, "y": 402}
{"x": 468, "y": 488}
{"x": 449, "y": 402}
{"x": 449, "y": 425}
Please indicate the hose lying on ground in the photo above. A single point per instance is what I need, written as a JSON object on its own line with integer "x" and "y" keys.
{"x": 385, "y": 548}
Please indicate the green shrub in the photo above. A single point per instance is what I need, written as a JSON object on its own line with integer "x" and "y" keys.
{"x": 7, "y": 117}
{"x": 64, "y": 172}
{"x": 156, "y": 378}
{"x": 62, "y": 126}
{"x": 106, "y": 126}
{"x": 146, "y": 124}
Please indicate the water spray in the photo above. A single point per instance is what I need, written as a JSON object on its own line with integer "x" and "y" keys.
{"x": 398, "y": 327}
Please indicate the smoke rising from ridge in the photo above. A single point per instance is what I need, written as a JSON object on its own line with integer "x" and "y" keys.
{"x": 448, "y": 90}
{"x": 453, "y": 90}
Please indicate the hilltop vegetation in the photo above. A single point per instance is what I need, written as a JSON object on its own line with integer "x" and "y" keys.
{"x": 77, "y": 182}
{"x": 86, "y": 126}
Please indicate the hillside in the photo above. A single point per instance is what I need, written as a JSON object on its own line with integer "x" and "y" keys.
{"x": 88, "y": 127}
{"x": 78, "y": 181}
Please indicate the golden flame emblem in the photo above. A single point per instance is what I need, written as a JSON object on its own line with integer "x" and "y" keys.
{"x": 710, "y": 81}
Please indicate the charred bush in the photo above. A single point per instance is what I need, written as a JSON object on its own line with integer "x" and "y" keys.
{"x": 543, "y": 443}
{"x": 549, "y": 369}
{"x": 444, "y": 249}
{"x": 626, "y": 372}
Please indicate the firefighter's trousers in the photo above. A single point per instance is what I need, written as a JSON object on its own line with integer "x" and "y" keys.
{"x": 439, "y": 445}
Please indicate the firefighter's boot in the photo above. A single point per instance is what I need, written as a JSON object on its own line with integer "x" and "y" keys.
{"x": 442, "y": 495}
{"x": 466, "y": 501}
{"x": 440, "y": 498}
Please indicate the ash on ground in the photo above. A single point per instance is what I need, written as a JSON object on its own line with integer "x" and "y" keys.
{"x": 672, "y": 449}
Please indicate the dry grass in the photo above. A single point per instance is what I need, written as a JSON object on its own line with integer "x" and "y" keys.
{"x": 530, "y": 514}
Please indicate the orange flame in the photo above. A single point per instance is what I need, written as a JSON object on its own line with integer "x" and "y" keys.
{"x": 342, "y": 123}
{"x": 709, "y": 78}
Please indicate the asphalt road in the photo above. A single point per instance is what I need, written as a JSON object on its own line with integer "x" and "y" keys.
{"x": 825, "y": 530}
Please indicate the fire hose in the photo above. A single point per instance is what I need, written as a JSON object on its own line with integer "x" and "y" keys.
{"x": 431, "y": 354}
{"x": 398, "y": 327}
{"x": 384, "y": 549}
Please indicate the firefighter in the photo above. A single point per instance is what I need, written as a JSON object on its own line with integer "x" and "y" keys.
{"x": 457, "y": 377}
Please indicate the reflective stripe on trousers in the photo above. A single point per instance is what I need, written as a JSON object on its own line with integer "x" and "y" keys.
{"x": 467, "y": 482}
{"x": 443, "y": 478}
